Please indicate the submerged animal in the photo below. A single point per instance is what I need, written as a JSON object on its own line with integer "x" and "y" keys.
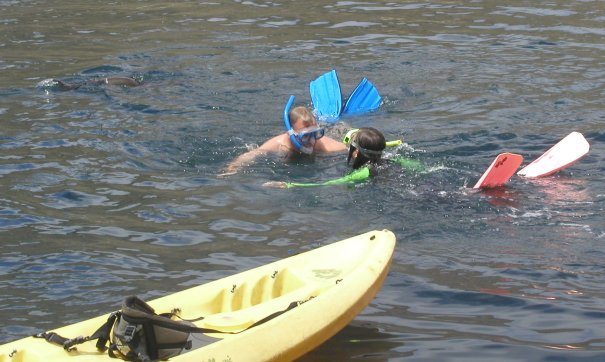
{"x": 63, "y": 86}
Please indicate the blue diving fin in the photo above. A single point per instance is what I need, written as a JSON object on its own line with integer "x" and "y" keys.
{"x": 326, "y": 96}
{"x": 365, "y": 98}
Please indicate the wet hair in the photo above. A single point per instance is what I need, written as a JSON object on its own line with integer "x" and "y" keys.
{"x": 301, "y": 113}
{"x": 370, "y": 143}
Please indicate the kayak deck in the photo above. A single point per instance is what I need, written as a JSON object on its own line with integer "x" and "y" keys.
{"x": 329, "y": 285}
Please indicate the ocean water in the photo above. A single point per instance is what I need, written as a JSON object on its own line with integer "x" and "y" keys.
{"x": 109, "y": 191}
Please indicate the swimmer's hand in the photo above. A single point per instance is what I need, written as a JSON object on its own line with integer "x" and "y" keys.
{"x": 226, "y": 173}
{"x": 275, "y": 184}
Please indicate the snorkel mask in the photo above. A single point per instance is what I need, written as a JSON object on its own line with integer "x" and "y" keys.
{"x": 370, "y": 154}
{"x": 301, "y": 139}
{"x": 349, "y": 136}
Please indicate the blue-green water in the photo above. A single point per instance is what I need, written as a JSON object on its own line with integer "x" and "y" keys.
{"x": 109, "y": 191}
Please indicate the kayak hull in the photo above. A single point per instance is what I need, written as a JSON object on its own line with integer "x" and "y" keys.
{"x": 331, "y": 284}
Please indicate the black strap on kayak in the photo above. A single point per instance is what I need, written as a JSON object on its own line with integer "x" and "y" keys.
{"x": 101, "y": 335}
{"x": 52, "y": 337}
{"x": 192, "y": 329}
{"x": 271, "y": 316}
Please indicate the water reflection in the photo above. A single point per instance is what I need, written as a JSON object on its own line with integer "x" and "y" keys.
{"x": 562, "y": 190}
{"x": 360, "y": 341}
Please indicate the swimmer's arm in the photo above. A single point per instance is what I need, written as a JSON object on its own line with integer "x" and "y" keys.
{"x": 273, "y": 145}
{"x": 329, "y": 145}
{"x": 354, "y": 177}
{"x": 246, "y": 159}
{"x": 242, "y": 160}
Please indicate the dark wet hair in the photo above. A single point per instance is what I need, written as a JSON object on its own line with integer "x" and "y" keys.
{"x": 370, "y": 143}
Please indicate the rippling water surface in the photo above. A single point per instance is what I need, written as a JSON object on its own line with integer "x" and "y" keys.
{"x": 108, "y": 191}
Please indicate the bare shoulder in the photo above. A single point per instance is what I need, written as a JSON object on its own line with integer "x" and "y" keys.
{"x": 327, "y": 144}
{"x": 276, "y": 144}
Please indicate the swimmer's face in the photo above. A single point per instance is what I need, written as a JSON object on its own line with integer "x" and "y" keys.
{"x": 307, "y": 134}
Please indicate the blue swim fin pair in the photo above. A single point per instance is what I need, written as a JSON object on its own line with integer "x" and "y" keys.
{"x": 327, "y": 97}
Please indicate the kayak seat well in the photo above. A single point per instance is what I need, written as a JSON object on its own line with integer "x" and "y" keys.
{"x": 238, "y": 320}
{"x": 249, "y": 302}
{"x": 268, "y": 287}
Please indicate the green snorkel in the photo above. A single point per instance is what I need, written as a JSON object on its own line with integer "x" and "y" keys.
{"x": 354, "y": 177}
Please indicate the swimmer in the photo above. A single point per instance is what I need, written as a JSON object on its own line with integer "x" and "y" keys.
{"x": 303, "y": 136}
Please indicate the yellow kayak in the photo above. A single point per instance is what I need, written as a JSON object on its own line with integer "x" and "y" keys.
{"x": 327, "y": 286}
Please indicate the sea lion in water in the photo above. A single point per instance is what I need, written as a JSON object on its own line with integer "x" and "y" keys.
{"x": 121, "y": 81}
{"x": 62, "y": 86}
